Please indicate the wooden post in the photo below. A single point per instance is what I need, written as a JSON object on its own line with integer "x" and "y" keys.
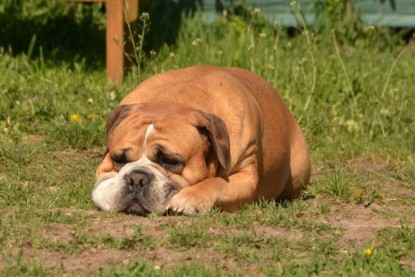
{"x": 115, "y": 40}
{"x": 117, "y": 37}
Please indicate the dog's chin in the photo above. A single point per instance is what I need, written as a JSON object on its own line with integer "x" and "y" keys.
{"x": 136, "y": 209}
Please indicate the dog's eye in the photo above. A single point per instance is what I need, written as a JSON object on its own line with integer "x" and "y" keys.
{"x": 170, "y": 163}
{"x": 118, "y": 162}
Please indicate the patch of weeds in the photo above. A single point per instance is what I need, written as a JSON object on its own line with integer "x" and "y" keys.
{"x": 280, "y": 216}
{"x": 136, "y": 268}
{"x": 40, "y": 190}
{"x": 319, "y": 247}
{"x": 66, "y": 236}
{"x": 291, "y": 215}
{"x": 322, "y": 208}
{"x": 11, "y": 131}
{"x": 79, "y": 132}
{"x": 398, "y": 242}
{"x": 18, "y": 265}
{"x": 143, "y": 268}
{"x": 14, "y": 232}
{"x": 14, "y": 154}
{"x": 371, "y": 261}
{"x": 336, "y": 183}
{"x": 404, "y": 172}
{"x": 368, "y": 194}
{"x": 305, "y": 257}
{"x": 239, "y": 219}
{"x": 410, "y": 201}
{"x": 136, "y": 241}
{"x": 386, "y": 214}
{"x": 411, "y": 169}
{"x": 197, "y": 269}
{"x": 81, "y": 241}
{"x": 313, "y": 226}
{"x": 60, "y": 217}
{"x": 314, "y": 257}
{"x": 243, "y": 246}
{"x": 184, "y": 235}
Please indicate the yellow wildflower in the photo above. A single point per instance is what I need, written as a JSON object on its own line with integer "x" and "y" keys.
{"x": 358, "y": 192}
{"x": 368, "y": 251}
{"x": 75, "y": 118}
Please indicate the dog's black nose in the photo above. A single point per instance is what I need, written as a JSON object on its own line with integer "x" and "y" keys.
{"x": 137, "y": 180}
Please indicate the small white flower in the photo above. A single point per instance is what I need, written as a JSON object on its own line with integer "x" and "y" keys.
{"x": 196, "y": 42}
{"x": 256, "y": 11}
{"x": 277, "y": 26}
{"x": 145, "y": 17}
{"x": 112, "y": 96}
{"x": 295, "y": 5}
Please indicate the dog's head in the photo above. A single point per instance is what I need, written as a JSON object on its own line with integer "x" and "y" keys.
{"x": 155, "y": 150}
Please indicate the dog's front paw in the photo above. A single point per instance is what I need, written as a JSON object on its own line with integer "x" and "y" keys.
{"x": 188, "y": 201}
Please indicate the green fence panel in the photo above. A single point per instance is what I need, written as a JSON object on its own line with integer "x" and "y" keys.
{"x": 393, "y": 13}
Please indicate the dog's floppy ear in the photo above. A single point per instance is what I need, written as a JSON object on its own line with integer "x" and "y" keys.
{"x": 116, "y": 116}
{"x": 215, "y": 129}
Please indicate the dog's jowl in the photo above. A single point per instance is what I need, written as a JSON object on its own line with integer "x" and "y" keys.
{"x": 191, "y": 139}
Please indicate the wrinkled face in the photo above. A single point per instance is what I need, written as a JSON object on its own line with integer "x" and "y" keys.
{"x": 153, "y": 152}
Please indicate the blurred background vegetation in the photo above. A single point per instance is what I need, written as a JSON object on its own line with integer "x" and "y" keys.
{"x": 58, "y": 30}
{"x": 72, "y": 31}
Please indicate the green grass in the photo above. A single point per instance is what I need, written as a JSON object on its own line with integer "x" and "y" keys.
{"x": 353, "y": 98}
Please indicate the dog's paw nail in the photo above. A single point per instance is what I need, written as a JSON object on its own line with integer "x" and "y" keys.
{"x": 174, "y": 210}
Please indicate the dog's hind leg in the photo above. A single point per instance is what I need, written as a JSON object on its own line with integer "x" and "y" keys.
{"x": 300, "y": 166}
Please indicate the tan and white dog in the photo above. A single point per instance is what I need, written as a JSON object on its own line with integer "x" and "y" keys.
{"x": 191, "y": 139}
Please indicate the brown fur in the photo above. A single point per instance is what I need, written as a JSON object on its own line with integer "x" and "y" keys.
{"x": 240, "y": 141}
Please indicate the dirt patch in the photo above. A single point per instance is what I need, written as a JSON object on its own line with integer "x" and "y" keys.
{"x": 395, "y": 192}
{"x": 34, "y": 139}
{"x": 169, "y": 258}
{"x": 359, "y": 224}
{"x": 374, "y": 165}
{"x": 57, "y": 233}
{"x": 86, "y": 262}
{"x": 93, "y": 259}
{"x": 76, "y": 154}
{"x": 409, "y": 263}
{"x": 126, "y": 225}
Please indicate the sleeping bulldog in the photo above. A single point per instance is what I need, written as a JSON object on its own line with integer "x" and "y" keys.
{"x": 187, "y": 140}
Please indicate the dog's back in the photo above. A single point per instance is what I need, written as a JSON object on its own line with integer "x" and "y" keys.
{"x": 217, "y": 90}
